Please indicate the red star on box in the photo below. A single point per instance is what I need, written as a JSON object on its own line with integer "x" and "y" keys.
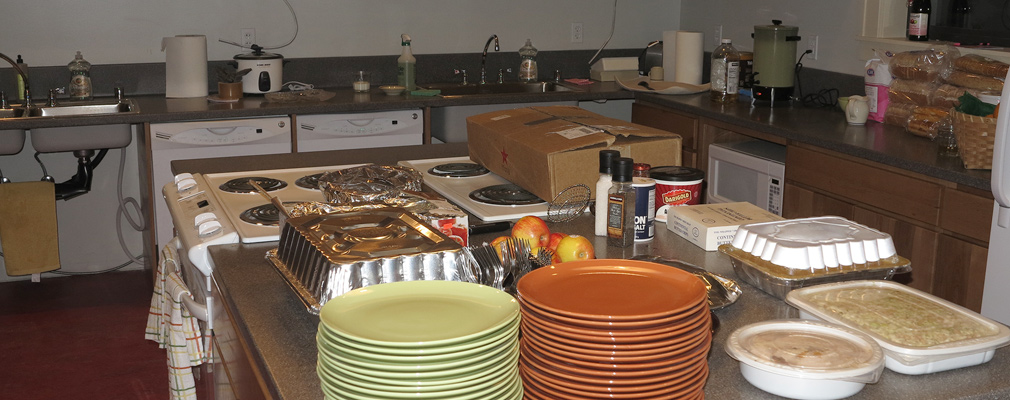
{"x": 504, "y": 157}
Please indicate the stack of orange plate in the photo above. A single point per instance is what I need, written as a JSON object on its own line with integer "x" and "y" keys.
{"x": 614, "y": 329}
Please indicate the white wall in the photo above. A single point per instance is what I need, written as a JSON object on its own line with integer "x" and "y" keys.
{"x": 130, "y": 31}
{"x": 837, "y": 23}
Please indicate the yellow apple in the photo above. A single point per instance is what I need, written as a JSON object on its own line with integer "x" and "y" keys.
{"x": 497, "y": 243}
{"x": 533, "y": 230}
{"x": 575, "y": 247}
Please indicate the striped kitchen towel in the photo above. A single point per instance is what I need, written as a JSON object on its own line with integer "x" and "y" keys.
{"x": 173, "y": 328}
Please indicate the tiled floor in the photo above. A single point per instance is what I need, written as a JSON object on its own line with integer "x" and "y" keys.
{"x": 79, "y": 337}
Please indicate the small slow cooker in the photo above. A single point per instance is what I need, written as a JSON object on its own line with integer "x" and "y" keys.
{"x": 266, "y": 75}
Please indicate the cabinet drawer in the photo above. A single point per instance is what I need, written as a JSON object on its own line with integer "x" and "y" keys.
{"x": 670, "y": 121}
{"x": 866, "y": 183}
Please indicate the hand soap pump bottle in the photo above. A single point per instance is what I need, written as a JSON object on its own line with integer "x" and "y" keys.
{"x": 21, "y": 81}
{"x": 603, "y": 185}
{"x": 406, "y": 65}
{"x": 528, "y": 63}
{"x": 80, "y": 78}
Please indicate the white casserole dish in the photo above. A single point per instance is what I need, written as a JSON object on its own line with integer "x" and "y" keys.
{"x": 804, "y": 359}
{"x": 920, "y": 333}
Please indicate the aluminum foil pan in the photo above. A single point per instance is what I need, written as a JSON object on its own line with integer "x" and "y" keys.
{"x": 324, "y": 256}
{"x": 369, "y": 184}
{"x": 722, "y": 291}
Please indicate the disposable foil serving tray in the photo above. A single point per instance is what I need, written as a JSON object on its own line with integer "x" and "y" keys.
{"x": 325, "y": 256}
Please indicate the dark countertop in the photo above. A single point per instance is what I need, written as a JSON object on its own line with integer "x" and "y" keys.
{"x": 160, "y": 109}
{"x": 826, "y": 128}
{"x": 282, "y": 331}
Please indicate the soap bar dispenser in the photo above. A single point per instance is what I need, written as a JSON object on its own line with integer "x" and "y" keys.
{"x": 405, "y": 65}
{"x": 80, "y": 79}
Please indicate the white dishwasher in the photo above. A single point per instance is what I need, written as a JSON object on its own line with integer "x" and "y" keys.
{"x": 208, "y": 139}
{"x": 320, "y": 132}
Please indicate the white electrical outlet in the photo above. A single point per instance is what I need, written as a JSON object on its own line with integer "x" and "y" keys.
{"x": 248, "y": 37}
{"x": 812, "y": 45}
{"x": 576, "y": 32}
{"x": 717, "y": 35}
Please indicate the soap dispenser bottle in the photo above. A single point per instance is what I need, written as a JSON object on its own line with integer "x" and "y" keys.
{"x": 80, "y": 79}
{"x": 21, "y": 81}
{"x": 405, "y": 65}
{"x": 528, "y": 63}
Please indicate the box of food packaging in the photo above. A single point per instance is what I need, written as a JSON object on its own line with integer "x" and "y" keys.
{"x": 548, "y": 149}
{"x": 448, "y": 219}
{"x": 710, "y": 225}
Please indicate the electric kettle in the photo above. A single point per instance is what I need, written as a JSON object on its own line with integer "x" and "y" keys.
{"x": 266, "y": 75}
{"x": 774, "y": 61}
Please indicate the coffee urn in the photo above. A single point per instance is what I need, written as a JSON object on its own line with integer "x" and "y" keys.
{"x": 774, "y": 61}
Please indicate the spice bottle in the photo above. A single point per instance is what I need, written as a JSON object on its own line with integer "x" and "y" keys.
{"x": 621, "y": 205}
{"x": 603, "y": 185}
{"x": 80, "y": 78}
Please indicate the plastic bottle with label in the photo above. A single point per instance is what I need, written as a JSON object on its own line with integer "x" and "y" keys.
{"x": 725, "y": 73}
{"x": 80, "y": 78}
{"x": 406, "y": 65}
{"x": 603, "y": 185}
{"x": 918, "y": 20}
{"x": 528, "y": 63}
{"x": 21, "y": 82}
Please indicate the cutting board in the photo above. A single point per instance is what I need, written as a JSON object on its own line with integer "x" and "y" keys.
{"x": 28, "y": 232}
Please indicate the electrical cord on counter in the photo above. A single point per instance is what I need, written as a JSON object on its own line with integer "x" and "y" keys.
{"x": 823, "y": 98}
{"x": 613, "y": 24}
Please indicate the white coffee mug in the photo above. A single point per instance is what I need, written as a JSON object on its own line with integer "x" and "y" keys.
{"x": 857, "y": 110}
{"x": 656, "y": 73}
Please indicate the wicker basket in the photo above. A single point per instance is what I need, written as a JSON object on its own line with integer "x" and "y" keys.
{"x": 975, "y": 139}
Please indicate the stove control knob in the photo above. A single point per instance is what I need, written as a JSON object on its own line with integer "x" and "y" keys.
{"x": 203, "y": 217}
{"x": 209, "y": 228}
{"x": 185, "y": 184}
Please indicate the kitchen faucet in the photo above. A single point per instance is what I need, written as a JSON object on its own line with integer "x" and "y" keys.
{"x": 28, "y": 96}
{"x": 483, "y": 58}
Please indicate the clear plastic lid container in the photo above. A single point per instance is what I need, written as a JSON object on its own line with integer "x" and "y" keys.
{"x": 808, "y": 350}
{"x": 913, "y": 327}
{"x": 814, "y": 243}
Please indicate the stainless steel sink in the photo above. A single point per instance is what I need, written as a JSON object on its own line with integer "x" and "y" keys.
{"x": 455, "y": 89}
{"x": 11, "y": 112}
{"x": 89, "y": 108}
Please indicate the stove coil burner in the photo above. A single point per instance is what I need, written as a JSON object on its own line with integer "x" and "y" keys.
{"x": 309, "y": 181}
{"x": 508, "y": 194}
{"x": 263, "y": 215}
{"x": 458, "y": 170}
{"x": 241, "y": 185}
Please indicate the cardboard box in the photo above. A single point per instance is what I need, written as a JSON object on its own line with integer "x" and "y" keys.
{"x": 548, "y": 149}
{"x": 711, "y": 225}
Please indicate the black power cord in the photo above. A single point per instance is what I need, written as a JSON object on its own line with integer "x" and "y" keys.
{"x": 823, "y": 98}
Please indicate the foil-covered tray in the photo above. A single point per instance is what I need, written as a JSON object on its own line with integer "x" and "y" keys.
{"x": 324, "y": 256}
{"x": 722, "y": 291}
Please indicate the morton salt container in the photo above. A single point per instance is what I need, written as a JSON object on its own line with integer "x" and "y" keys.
{"x": 676, "y": 186}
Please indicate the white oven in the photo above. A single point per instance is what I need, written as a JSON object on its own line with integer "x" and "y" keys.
{"x": 753, "y": 171}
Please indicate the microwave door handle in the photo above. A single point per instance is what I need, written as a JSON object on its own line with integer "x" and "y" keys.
{"x": 1000, "y": 176}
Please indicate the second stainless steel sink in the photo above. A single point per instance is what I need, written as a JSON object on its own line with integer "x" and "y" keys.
{"x": 455, "y": 89}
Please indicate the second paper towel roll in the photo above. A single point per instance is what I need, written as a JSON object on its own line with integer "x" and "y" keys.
{"x": 185, "y": 66}
{"x": 690, "y": 57}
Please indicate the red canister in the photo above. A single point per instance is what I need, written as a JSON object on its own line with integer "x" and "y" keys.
{"x": 676, "y": 186}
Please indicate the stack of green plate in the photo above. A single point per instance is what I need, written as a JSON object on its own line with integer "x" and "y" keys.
{"x": 420, "y": 340}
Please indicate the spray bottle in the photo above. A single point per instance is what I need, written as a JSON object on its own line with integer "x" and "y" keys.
{"x": 406, "y": 64}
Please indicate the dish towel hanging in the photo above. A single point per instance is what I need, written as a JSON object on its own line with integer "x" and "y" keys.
{"x": 173, "y": 328}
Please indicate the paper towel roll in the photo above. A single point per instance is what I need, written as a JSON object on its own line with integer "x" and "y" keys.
{"x": 690, "y": 56}
{"x": 669, "y": 55}
{"x": 185, "y": 66}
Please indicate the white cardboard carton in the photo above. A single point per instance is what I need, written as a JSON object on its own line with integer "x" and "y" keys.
{"x": 710, "y": 225}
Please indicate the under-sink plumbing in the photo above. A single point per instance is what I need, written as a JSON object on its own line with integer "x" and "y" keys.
{"x": 80, "y": 183}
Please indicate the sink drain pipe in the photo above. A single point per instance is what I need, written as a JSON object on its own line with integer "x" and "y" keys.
{"x": 80, "y": 183}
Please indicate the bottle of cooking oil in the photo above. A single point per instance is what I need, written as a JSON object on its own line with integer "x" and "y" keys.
{"x": 725, "y": 73}
{"x": 406, "y": 65}
{"x": 80, "y": 78}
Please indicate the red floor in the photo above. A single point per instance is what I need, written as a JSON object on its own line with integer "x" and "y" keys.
{"x": 79, "y": 337}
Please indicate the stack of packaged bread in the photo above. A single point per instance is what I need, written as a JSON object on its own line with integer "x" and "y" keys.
{"x": 928, "y": 84}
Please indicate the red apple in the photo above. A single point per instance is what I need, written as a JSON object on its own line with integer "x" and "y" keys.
{"x": 556, "y": 237}
{"x": 497, "y": 243}
{"x": 532, "y": 229}
{"x": 575, "y": 247}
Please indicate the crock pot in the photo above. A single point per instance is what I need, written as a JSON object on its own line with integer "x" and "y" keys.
{"x": 266, "y": 75}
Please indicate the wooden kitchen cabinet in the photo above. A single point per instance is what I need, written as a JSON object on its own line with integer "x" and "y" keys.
{"x": 671, "y": 121}
{"x": 941, "y": 228}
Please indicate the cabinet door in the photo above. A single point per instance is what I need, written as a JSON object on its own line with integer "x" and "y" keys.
{"x": 960, "y": 272}
{"x": 799, "y": 202}
{"x": 913, "y": 242}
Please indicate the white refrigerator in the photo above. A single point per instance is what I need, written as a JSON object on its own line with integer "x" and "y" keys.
{"x": 996, "y": 292}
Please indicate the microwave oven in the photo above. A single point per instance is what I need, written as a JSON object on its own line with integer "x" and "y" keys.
{"x": 753, "y": 171}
